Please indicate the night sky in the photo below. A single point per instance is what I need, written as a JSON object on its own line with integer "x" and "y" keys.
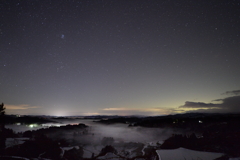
{"x": 119, "y": 57}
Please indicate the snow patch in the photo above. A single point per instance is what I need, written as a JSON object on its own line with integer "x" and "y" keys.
{"x": 186, "y": 154}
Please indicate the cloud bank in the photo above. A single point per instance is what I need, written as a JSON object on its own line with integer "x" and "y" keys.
{"x": 226, "y": 105}
{"x": 19, "y": 109}
{"x": 199, "y": 105}
{"x": 21, "y": 106}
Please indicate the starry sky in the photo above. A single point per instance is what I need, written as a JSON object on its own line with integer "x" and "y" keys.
{"x": 119, "y": 57}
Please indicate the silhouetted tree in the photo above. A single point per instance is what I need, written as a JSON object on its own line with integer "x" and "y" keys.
{"x": 2, "y": 129}
{"x": 28, "y": 134}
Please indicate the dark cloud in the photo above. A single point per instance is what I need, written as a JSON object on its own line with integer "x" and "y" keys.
{"x": 229, "y": 104}
{"x": 214, "y": 110}
{"x": 217, "y": 100}
{"x": 198, "y": 105}
{"x": 234, "y": 92}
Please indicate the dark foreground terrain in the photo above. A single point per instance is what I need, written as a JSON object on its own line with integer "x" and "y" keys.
{"x": 202, "y": 132}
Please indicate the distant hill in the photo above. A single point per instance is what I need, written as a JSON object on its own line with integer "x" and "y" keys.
{"x": 12, "y": 119}
{"x": 187, "y": 120}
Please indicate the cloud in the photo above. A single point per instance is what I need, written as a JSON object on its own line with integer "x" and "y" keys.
{"x": 231, "y": 103}
{"x": 228, "y": 104}
{"x": 116, "y": 109}
{"x": 234, "y": 92}
{"x": 199, "y": 105}
{"x": 19, "y": 107}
